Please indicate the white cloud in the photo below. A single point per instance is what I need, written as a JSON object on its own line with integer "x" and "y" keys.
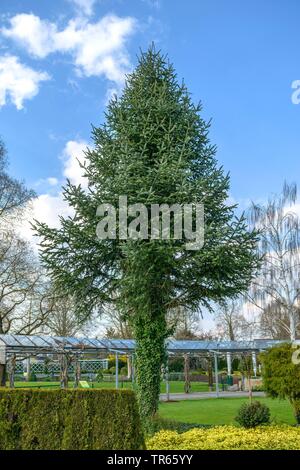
{"x": 110, "y": 93}
{"x": 44, "y": 208}
{"x": 52, "y": 181}
{"x": 31, "y": 32}
{"x": 97, "y": 48}
{"x": 294, "y": 208}
{"x": 84, "y": 6}
{"x": 18, "y": 81}
{"x": 48, "y": 207}
{"x": 72, "y": 157}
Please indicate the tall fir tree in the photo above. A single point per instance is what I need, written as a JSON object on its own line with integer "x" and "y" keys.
{"x": 153, "y": 148}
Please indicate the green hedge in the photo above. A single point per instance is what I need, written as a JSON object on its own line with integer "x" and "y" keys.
{"x": 69, "y": 419}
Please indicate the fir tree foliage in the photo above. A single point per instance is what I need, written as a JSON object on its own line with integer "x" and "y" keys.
{"x": 153, "y": 148}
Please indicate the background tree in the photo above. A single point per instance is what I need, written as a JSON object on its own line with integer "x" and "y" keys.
{"x": 23, "y": 289}
{"x": 13, "y": 290}
{"x": 281, "y": 374}
{"x": 278, "y": 282}
{"x": 274, "y": 321}
{"x": 246, "y": 368}
{"x": 183, "y": 322}
{"x": 13, "y": 193}
{"x": 63, "y": 320}
{"x": 154, "y": 148}
{"x": 118, "y": 326}
{"x": 231, "y": 323}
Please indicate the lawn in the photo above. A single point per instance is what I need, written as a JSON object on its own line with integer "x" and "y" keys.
{"x": 175, "y": 386}
{"x": 221, "y": 410}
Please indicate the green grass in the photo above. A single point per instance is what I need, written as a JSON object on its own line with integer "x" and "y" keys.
{"x": 36, "y": 384}
{"x": 175, "y": 386}
{"x": 221, "y": 410}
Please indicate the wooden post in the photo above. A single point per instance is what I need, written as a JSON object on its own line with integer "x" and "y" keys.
{"x": 63, "y": 371}
{"x": 167, "y": 379}
{"x": 187, "y": 383}
{"x": 2, "y": 366}
{"x": 2, "y": 375}
{"x": 11, "y": 370}
{"x": 77, "y": 370}
{"x": 117, "y": 371}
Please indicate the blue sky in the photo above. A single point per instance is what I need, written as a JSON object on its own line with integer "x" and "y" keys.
{"x": 60, "y": 60}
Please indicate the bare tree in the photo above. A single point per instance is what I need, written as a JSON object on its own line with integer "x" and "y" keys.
{"x": 184, "y": 323}
{"x": 63, "y": 321}
{"x": 13, "y": 193}
{"x": 279, "y": 247}
{"x": 231, "y": 323}
{"x": 118, "y": 326}
{"x": 22, "y": 287}
{"x": 274, "y": 321}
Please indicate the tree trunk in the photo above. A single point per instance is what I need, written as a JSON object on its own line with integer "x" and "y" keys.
{"x": 150, "y": 356}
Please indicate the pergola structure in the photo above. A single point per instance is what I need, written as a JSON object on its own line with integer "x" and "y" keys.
{"x": 67, "y": 350}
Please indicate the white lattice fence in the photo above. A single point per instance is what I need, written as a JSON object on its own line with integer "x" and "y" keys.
{"x": 54, "y": 368}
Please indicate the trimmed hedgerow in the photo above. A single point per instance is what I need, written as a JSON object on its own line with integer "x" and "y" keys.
{"x": 69, "y": 419}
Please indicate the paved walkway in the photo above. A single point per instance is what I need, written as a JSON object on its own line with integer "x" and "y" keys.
{"x": 201, "y": 395}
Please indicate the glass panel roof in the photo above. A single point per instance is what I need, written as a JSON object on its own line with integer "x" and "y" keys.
{"x": 9, "y": 340}
{"x": 104, "y": 344}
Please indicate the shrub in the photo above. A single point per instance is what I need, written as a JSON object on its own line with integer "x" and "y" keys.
{"x": 99, "y": 376}
{"x": 281, "y": 376}
{"x": 69, "y": 419}
{"x": 156, "y": 424}
{"x": 228, "y": 438}
{"x": 253, "y": 414}
{"x": 32, "y": 377}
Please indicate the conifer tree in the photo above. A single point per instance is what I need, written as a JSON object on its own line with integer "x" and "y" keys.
{"x": 153, "y": 148}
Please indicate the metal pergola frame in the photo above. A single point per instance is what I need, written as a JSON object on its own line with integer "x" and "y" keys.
{"x": 14, "y": 347}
